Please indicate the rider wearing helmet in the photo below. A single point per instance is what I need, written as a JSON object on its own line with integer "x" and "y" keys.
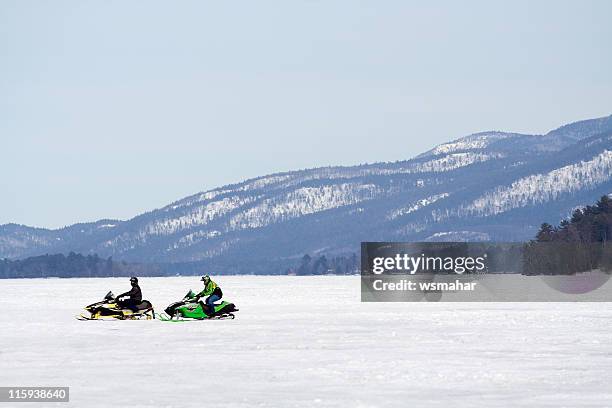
{"x": 134, "y": 295}
{"x": 214, "y": 293}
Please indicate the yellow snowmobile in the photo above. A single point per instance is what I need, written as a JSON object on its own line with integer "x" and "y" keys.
{"x": 109, "y": 309}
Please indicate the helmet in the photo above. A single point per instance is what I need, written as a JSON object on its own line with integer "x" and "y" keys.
{"x": 133, "y": 279}
{"x": 205, "y": 278}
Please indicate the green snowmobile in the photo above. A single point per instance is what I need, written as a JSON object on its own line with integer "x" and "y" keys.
{"x": 190, "y": 309}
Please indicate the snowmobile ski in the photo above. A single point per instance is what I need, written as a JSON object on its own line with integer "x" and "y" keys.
{"x": 163, "y": 317}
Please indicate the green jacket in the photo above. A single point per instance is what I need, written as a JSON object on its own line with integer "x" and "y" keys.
{"x": 210, "y": 288}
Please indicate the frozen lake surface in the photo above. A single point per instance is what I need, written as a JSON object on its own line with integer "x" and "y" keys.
{"x": 304, "y": 342}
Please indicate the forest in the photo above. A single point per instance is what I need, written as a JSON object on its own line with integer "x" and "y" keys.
{"x": 73, "y": 265}
{"x": 92, "y": 266}
{"x": 578, "y": 244}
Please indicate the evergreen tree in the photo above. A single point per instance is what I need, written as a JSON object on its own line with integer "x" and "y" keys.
{"x": 546, "y": 233}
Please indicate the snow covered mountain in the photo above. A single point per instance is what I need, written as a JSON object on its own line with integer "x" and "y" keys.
{"x": 486, "y": 186}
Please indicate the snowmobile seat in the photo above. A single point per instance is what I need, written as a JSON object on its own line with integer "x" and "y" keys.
{"x": 144, "y": 305}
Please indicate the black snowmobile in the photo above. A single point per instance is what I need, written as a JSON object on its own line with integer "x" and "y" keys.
{"x": 109, "y": 309}
{"x": 190, "y": 309}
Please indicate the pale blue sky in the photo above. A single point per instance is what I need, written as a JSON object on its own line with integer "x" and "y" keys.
{"x": 112, "y": 108}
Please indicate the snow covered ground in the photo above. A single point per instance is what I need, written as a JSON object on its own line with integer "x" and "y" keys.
{"x": 304, "y": 342}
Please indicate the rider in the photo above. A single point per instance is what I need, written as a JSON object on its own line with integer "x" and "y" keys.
{"x": 134, "y": 295}
{"x": 213, "y": 291}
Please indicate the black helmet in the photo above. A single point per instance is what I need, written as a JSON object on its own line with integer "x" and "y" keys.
{"x": 133, "y": 279}
{"x": 205, "y": 278}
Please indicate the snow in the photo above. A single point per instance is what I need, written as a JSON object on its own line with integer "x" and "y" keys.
{"x": 265, "y": 181}
{"x": 200, "y": 215}
{"x": 304, "y": 342}
{"x": 415, "y": 206}
{"x": 538, "y": 188}
{"x": 458, "y": 236}
{"x": 471, "y": 142}
{"x": 303, "y": 201}
{"x": 455, "y": 161}
{"x": 107, "y": 226}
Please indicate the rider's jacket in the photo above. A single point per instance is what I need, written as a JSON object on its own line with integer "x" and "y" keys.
{"x": 211, "y": 288}
{"x": 135, "y": 294}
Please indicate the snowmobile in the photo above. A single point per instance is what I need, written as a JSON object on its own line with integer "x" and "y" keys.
{"x": 109, "y": 309}
{"x": 189, "y": 308}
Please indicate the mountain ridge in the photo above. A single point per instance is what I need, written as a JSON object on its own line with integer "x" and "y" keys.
{"x": 331, "y": 209}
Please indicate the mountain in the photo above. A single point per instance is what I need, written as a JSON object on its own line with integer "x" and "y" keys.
{"x": 486, "y": 186}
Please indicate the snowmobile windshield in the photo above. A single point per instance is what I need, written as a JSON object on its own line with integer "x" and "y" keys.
{"x": 189, "y": 295}
{"x": 109, "y": 295}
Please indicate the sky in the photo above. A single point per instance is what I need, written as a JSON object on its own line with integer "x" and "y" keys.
{"x": 110, "y": 109}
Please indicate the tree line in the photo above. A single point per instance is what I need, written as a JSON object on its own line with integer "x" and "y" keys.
{"x": 73, "y": 265}
{"x": 579, "y": 244}
{"x": 339, "y": 265}
{"x": 76, "y": 265}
